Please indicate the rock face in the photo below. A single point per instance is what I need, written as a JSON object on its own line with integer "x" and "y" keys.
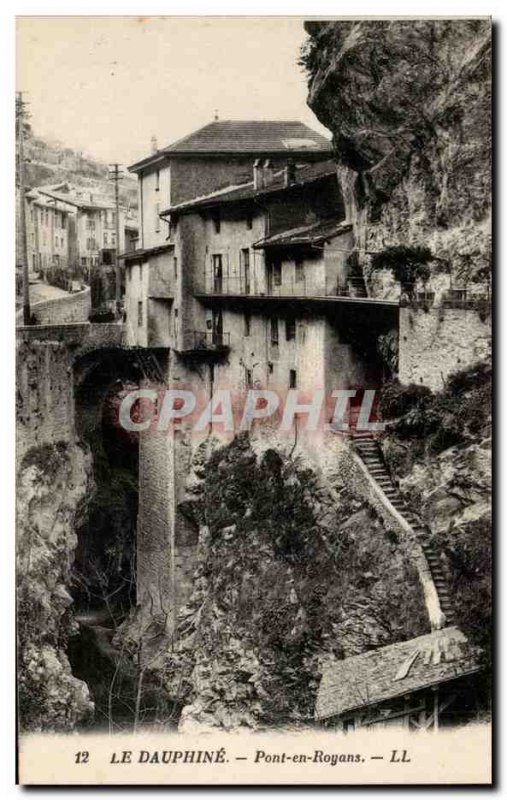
{"x": 52, "y": 482}
{"x": 439, "y": 447}
{"x": 408, "y": 103}
{"x": 287, "y": 575}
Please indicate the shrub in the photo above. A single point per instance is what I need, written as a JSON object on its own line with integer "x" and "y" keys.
{"x": 396, "y": 399}
{"x": 408, "y": 264}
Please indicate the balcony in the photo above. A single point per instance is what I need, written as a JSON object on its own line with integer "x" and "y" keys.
{"x": 314, "y": 287}
{"x": 207, "y": 343}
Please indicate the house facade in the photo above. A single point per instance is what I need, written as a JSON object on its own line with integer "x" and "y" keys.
{"x": 75, "y": 228}
{"x": 47, "y": 231}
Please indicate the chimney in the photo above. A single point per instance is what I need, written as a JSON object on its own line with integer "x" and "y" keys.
{"x": 268, "y": 172}
{"x": 258, "y": 175}
{"x": 290, "y": 173}
{"x": 154, "y": 146}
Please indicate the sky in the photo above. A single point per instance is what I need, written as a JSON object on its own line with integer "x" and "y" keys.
{"x": 106, "y": 85}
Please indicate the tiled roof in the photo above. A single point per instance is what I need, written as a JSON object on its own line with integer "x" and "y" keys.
{"x": 308, "y": 234}
{"x": 254, "y": 137}
{"x": 394, "y": 671}
{"x": 143, "y": 254}
{"x": 77, "y": 200}
{"x": 46, "y": 202}
{"x": 231, "y": 136}
{"x": 305, "y": 174}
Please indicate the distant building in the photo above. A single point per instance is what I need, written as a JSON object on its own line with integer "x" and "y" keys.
{"x": 47, "y": 230}
{"x": 89, "y": 223}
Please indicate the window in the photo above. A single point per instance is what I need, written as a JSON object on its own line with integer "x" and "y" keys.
{"x": 292, "y": 379}
{"x": 83, "y": 261}
{"x": 245, "y": 260}
{"x": 217, "y": 329}
{"x": 274, "y": 331}
{"x": 106, "y": 240}
{"x": 217, "y": 273}
{"x": 90, "y": 224}
{"x": 157, "y": 218}
{"x": 249, "y": 221}
{"x": 175, "y": 268}
{"x": 300, "y": 270}
{"x": 216, "y": 220}
{"x": 139, "y": 313}
{"x": 248, "y": 320}
{"x": 157, "y": 180}
{"x": 277, "y": 273}
{"x": 249, "y": 377}
{"x": 270, "y": 367}
{"x": 113, "y": 239}
{"x": 290, "y": 328}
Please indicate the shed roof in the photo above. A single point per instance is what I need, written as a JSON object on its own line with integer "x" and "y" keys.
{"x": 254, "y": 137}
{"x": 315, "y": 233}
{"x": 395, "y": 670}
{"x": 305, "y": 174}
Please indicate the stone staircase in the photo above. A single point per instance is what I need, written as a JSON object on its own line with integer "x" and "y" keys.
{"x": 371, "y": 454}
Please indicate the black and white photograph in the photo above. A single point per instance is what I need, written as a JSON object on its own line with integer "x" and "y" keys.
{"x": 253, "y": 312}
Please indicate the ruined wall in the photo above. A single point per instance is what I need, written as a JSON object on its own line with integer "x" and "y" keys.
{"x": 461, "y": 337}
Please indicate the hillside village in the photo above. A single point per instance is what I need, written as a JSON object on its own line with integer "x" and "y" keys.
{"x": 273, "y": 579}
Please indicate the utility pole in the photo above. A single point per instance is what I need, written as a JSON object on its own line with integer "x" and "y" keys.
{"x": 20, "y": 124}
{"x": 115, "y": 175}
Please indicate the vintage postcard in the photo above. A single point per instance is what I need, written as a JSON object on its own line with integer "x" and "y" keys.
{"x": 253, "y": 331}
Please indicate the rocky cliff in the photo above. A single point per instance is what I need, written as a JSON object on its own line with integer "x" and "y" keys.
{"x": 288, "y": 574}
{"x": 52, "y": 482}
{"x": 408, "y": 103}
{"x": 438, "y": 445}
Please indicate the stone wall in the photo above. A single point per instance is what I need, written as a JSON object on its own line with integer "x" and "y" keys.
{"x": 435, "y": 343}
{"x": 74, "y": 307}
{"x": 70, "y": 333}
{"x": 44, "y": 398}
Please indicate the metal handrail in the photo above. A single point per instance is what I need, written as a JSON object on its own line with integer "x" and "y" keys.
{"x": 210, "y": 340}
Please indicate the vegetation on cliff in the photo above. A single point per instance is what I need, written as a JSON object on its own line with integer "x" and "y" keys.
{"x": 439, "y": 447}
{"x": 286, "y": 577}
{"x": 409, "y": 106}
